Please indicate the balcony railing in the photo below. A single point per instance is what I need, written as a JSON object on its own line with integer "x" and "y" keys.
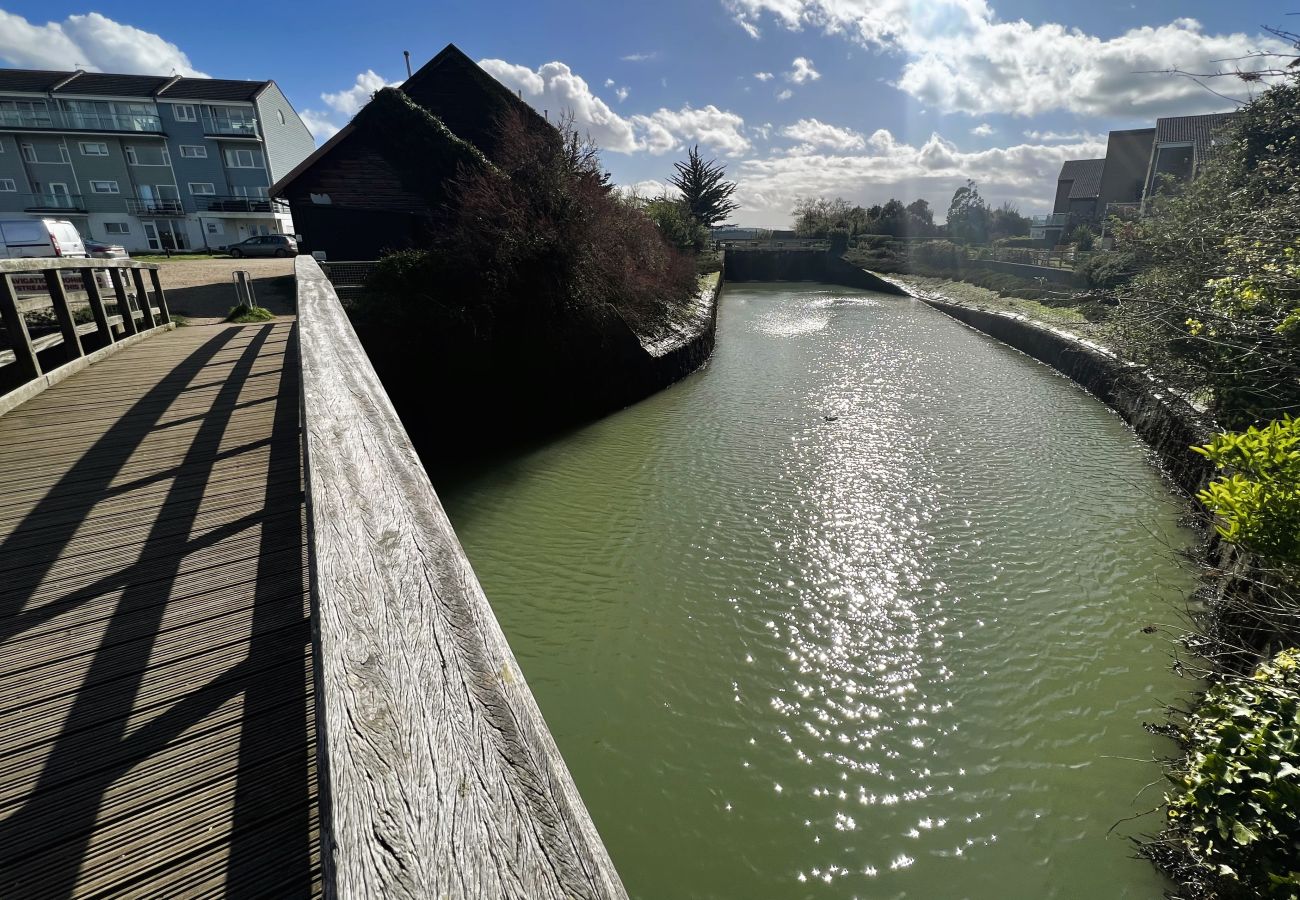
{"x": 1055, "y": 220}
{"x": 58, "y": 120}
{"x": 44, "y": 202}
{"x": 154, "y": 207}
{"x": 233, "y": 204}
{"x": 230, "y": 127}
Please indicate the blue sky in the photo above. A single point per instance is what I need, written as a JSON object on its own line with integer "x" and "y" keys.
{"x": 864, "y": 99}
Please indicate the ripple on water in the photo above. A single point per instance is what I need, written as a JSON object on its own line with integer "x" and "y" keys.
{"x": 853, "y": 612}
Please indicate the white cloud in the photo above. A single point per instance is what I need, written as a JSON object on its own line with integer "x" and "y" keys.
{"x": 321, "y": 128}
{"x": 1049, "y": 136}
{"x": 641, "y": 57}
{"x": 803, "y": 71}
{"x": 609, "y": 82}
{"x": 348, "y": 102}
{"x": 92, "y": 42}
{"x": 622, "y": 93}
{"x": 785, "y": 94}
{"x": 651, "y": 189}
{"x": 983, "y": 129}
{"x": 763, "y": 76}
{"x": 1024, "y": 174}
{"x": 961, "y": 59}
{"x": 813, "y": 134}
{"x": 556, "y": 87}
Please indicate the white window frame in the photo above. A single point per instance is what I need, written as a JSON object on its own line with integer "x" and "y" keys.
{"x": 210, "y": 192}
{"x": 109, "y": 226}
{"x": 190, "y": 114}
{"x": 8, "y": 186}
{"x": 95, "y": 148}
{"x": 95, "y": 190}
{"x": 129, "y": 152}
{"x": 193, "y": 151}
{"x": 280, "y": 113}
{"x": 232, "y": 158}
{"x": 214, "y": 228}
{"x": 64, "y": 157}
{"x": 29, "y": 153}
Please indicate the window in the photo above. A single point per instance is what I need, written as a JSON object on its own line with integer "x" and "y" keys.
{"x": 215, "y": 228}
{"x": 242, "y": 159}
{"x": 184, "y": 112}
{"x": 130, "y": 156}
{"x": 201, "y": 187}
{"x": 2, "y": 146}
{"x": 193, "y": 151}
{"x": 280, "y": 113}
{"x": 117, "y": 228}
{"x": 63, "y": 153}
{"x": 104, "y": 187}
{"x": 93, "y": 148}
{"x": 29, "y": 152}
{"x": 8, "y": 185}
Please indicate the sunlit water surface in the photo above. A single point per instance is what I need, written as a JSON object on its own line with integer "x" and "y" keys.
{"x": 856, "y": 611}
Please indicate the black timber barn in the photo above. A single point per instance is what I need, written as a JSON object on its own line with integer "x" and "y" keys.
{"x": 359, "y": 195}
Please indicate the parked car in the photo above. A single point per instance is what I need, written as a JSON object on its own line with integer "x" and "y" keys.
{"x": 22, "y": 238}
{"x": 264, "y": 245}
{"x": 100, "y": 250}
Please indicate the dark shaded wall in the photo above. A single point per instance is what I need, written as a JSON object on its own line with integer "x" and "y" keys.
{"x": 801, "y": 265}
{"x": 1128, "y": 153}
{"x": 355, "y": 234}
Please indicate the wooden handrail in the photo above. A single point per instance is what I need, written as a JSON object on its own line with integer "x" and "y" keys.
{"x": 438, "y": 776}
{"x": 34, "y": 374}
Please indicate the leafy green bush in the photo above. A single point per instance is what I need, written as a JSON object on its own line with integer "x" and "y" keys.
{"x": 1021, "y": 243}
{"x": 1082, "y": 237}
{"x": 244, "y": 314}
{"x": 1108, "y": 270}
{"x": 942, "y": 254}
{"x": 1236, "y": 809}
{"x": 1257, "y": 502}
{"x": 674, "y": 220}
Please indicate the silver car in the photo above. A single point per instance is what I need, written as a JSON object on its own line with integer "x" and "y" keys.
{"x": 264, "y": 245}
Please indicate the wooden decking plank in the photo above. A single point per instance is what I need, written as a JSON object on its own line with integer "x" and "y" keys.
{"x": 157, "y": 732}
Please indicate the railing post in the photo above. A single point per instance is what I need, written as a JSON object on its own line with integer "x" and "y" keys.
{"x": 19, "y": 339}
{"x": 142, "y": 298}
{"x": 164, "y": 314}
{"x": 123, "y": 301}
{"x": 63, "y": 312}
{"x": 97, "y": 305}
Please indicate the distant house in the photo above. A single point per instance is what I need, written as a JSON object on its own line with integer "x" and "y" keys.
{"x": 358, "y": 196}
{"x": 1138, "y": 164}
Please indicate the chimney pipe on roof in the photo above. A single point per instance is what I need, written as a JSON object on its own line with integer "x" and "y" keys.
{"x": 407, "y": 54}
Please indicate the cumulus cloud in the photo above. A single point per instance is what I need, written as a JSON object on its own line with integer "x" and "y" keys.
{"x": 92, "y": 42}
{"x": 813, "y": 134}
{"x": 556, "y": 87}
{"x": 1035, "y": 135}
{"x": 802, "y": 71}
{"x": 348, "y": 102}
{"x": 785, "y": 94}
{"x": 983, "y": 129}
{"x": 763, "y": 76}
{"x": 319, "y": 124}
{"x": 1024, "y": 174}
{"x": 650, "y": 189}
{"x": 641, "y": 57}
{"x": 960, "y": 58}
{"x": 622, "y": 93}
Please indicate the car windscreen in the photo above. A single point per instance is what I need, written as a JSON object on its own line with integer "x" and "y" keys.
{"x": 24, "y": 233}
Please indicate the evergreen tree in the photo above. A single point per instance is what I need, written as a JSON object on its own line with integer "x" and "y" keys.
{"x": 703, "y": 189}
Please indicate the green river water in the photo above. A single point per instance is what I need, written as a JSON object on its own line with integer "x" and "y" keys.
{"x": 855, "y": 611}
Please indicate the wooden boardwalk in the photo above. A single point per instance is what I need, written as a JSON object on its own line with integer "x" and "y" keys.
{"x": 156, "y": 704}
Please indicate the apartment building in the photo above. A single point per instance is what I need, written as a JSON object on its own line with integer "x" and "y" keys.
{"x": 146, "y": 161}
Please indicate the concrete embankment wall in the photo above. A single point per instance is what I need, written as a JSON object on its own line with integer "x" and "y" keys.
{"x": 802, "y": 265}
{"x": 1056, "y": 276}
{"x": 1169, "y": 424}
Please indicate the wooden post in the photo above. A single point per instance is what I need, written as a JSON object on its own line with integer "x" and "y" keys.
{"x": 164, "y": 314}
{"x": 63, "y": 312}
{"x": 142, "y": 298}
{"x": 123, "y": 302}
{"x": 16, "y": 325}
{"x": 97, "y": 305}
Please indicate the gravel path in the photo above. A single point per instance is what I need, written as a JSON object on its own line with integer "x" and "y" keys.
{"x": 202, "y": 290}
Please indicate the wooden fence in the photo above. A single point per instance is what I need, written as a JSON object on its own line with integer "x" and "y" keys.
{"x": 438, "y": 776}
{"x": 63, "y": 302}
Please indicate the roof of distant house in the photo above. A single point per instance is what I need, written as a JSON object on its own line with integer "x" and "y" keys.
{"x": 107, "y": 84}
{"x": 1200, "y": 131}
{"x": 1086, "y": 175}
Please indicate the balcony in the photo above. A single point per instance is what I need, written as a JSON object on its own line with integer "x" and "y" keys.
{"x": 58, "y": 120}
{"x": 1055, "y": 220}
{"x": 154, "y": 207}
{"x": 230, "y": 204}
{"x": 44, "y": 202}
{"x": 221, "y": 126}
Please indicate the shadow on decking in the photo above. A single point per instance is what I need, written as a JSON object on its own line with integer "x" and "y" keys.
{"x": 183, "y": 772}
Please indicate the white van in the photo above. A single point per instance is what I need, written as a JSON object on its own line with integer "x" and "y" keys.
{"x": 21, "y": 238}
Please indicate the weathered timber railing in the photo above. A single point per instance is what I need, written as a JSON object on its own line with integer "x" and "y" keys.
{"x": 438, "y": 777}
{"x": 71, "y": 289}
